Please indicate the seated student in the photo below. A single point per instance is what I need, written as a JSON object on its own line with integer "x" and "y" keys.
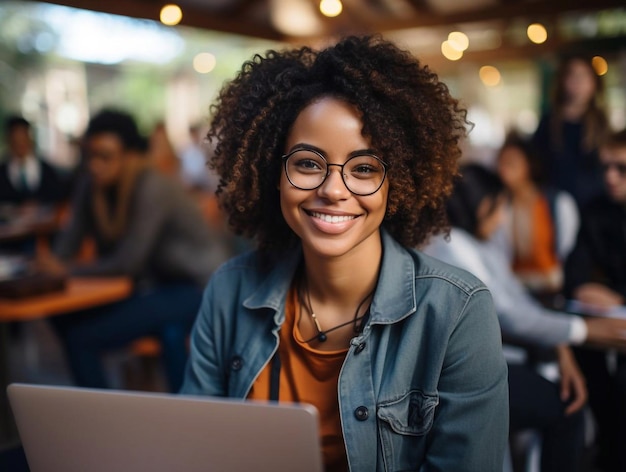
{"x": 476, "y": 211}
{"x": 24, "y": 176}
{"x": 542, "y": 222}
{"x": 145, "y": 226}
{"x": 595, "y": 273}
{"x": 339, "y": 161}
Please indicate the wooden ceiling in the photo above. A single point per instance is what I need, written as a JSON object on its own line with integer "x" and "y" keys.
{"x": 254, "y": 17}
{"x": 418, "y": 25}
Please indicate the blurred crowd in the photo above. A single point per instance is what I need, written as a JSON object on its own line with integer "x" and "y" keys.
{"x": 133, "y": 208}
{"x": 543, "y": 226}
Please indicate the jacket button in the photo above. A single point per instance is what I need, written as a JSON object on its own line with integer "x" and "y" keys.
{"x": 359, "y": 348}
{"x": 361, "y": 413}
{"x": 236, "y": 363}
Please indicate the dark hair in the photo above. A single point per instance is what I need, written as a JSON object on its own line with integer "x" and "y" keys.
{"x": 408, "y": 115}
{"x": 594, "y": 120}
{"x": 615, "y": 140}
{"x": 15, "y": 121}
{"x": 515, "y": 140}
{"x": 119, "y": 123}
{"x": 476, "y": 184}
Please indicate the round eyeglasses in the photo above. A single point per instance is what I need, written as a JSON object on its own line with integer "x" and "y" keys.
{"x": 307, "y": 169}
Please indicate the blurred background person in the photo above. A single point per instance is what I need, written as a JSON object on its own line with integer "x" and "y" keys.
{"x": 596, "y": 275}
{"x": 25, "y": 177}
{"x": 542, "y": 222}
{"x": 476, "y": 211}
{"x": 193, "y": 162}
{"x": 161, "y": 153}
{"x": 145, "y": 226}
{"x": 569, "y": 134}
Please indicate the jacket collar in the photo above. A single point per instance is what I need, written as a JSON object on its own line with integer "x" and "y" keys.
{"x": 395, "y": 296}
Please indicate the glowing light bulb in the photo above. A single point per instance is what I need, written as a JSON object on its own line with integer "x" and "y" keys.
{"x": 331, "y": 8}
{"x": 600, "y": 65}
{"x": 537, "y": 33}
{"x": 490, "y": 76}
{"x": 458, "y": 40}
{"x": 204, "y": 62}
{"x": 449, "y": 52}
{"x": 171, "y": 15}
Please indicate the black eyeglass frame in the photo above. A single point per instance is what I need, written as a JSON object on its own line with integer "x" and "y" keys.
{"x": 286, "y": 157}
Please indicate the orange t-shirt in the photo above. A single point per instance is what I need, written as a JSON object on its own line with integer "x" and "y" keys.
{"x": 308, "y": 376}
{"x": 535, "y": 258}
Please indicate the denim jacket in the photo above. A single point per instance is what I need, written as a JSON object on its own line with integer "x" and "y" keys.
{"x": 423, "y": 387}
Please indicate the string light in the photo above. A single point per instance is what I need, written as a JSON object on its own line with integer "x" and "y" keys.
{"x": 600, "y": 65}
{"x": 171, "y": 14}
{"x": 450, "y": 52}
{"x": 204, "y": 62}
{"x": 537, "y": 33}
{"x": 458, "y": 40}
{"x": 490, "y": 76}
{"x": 331, "y": 8}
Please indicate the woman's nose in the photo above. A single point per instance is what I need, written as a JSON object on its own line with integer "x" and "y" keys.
{"x": 334, "y": 187}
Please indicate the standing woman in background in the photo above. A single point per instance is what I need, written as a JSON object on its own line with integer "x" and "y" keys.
{"x": 339, "y": 162}
{"x": 568, "y": 136}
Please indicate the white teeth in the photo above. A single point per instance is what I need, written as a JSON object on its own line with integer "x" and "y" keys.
{"x": 333, "y": 218}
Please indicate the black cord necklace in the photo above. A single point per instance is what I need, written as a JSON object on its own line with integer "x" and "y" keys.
{"x": 322, "y": 335}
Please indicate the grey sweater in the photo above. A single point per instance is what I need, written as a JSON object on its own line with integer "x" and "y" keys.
{"x": 167, "y": 237}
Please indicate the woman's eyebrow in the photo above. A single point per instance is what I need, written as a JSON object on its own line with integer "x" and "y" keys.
{"x": 310, "y": 147}
{"x": 361, "y": 152}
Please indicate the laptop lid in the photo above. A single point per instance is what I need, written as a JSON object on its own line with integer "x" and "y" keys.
{"x": 76, "y": 430}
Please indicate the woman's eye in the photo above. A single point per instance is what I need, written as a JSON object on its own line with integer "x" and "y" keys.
{"x": 308, "y": 164}
{"x": 364, "y": 169}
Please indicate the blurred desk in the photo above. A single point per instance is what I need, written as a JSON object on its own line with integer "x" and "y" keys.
{"x": 80, "y": 293}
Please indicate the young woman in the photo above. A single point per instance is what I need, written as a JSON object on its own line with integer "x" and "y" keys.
{"x": 146, "y": 227}
{"x": 542, "y": 222}
{"x": 568, "y": 136}
{"x": 476, "y": 211}
{"x": 338, "y": 161}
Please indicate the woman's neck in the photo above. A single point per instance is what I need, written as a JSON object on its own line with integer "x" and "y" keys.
{"x": 342, "y": 281}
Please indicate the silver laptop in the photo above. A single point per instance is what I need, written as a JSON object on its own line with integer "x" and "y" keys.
{"x": 82, "y": 430}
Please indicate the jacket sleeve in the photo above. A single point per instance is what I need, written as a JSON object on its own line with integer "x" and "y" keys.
{"x": 205, "y": 371}
{"x": 470, "y": 430}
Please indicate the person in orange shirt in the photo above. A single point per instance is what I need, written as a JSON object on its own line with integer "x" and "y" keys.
{"x": 542, "y": 222}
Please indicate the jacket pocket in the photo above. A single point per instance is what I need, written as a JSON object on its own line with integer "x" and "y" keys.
{"x": 403, "y": 424}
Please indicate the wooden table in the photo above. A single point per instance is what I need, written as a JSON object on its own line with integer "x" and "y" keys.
{"x": 80, "y": 293}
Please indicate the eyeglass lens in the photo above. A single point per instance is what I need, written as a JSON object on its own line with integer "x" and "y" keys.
{"x": 307, "y": 170}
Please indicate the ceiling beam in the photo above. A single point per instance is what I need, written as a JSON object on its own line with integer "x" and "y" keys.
{"x": 501, "y": 11}
{"x": 192, "y": 16}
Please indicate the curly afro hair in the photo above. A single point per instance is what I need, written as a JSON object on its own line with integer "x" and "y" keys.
{"x": 408, "y": 115}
